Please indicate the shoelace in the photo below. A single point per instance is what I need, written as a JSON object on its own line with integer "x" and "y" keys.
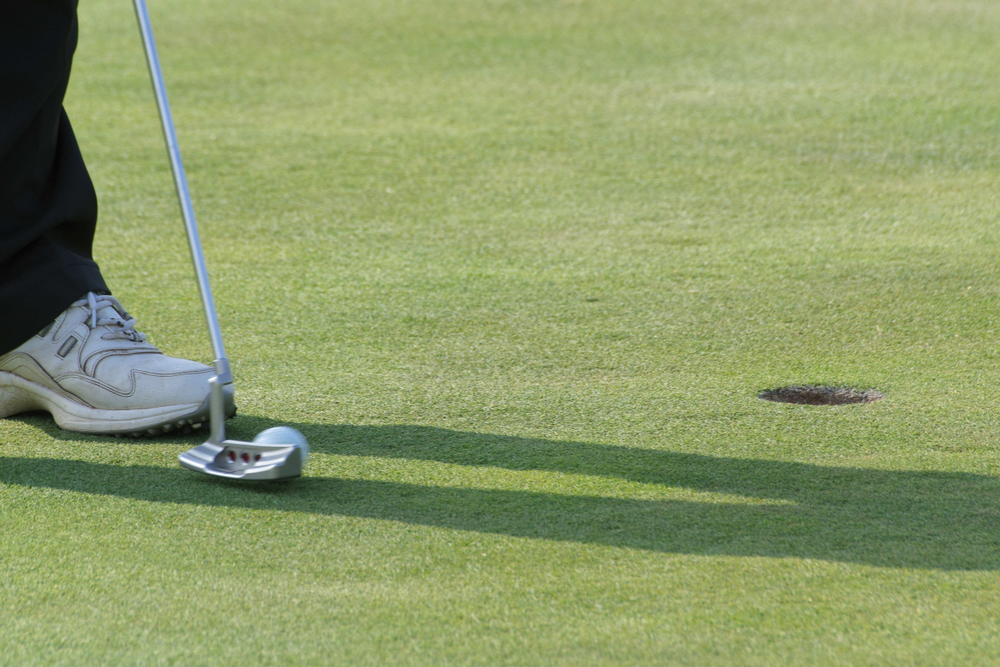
{"x": 106, "y": 310}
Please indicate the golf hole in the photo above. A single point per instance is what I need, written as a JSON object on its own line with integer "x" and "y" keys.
{"x": 820, "y": 395}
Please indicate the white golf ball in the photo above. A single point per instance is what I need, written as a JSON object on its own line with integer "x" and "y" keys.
{"x": 284, "y": 435}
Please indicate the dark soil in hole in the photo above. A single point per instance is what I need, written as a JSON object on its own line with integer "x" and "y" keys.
{"x": 813, "y": 395}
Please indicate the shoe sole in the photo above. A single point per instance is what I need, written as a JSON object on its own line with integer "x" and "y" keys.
{"x": 18, "y": 395}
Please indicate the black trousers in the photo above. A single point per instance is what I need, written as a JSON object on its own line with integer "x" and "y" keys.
{"x": 48, "y": 208}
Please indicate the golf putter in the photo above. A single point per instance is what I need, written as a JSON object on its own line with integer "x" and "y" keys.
{"x": 277, "y": 453}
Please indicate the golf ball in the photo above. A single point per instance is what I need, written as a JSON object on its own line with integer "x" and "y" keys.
{"x": 284, "y": 435}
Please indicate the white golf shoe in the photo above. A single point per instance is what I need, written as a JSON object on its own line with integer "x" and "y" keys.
{"x": 95, "y": 373}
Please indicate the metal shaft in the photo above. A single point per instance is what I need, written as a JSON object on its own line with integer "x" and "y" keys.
{"x": 180, "y": 182}
{"x": 223, "y": 374}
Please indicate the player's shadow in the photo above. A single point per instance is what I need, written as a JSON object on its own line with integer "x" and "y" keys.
{"x": 939, "y": 520}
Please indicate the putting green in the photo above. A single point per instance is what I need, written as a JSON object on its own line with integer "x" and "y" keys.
{"x": 518, "y": 269}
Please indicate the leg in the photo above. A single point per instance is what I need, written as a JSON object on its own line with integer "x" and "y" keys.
{"x": 80, "y": 359}
{"x": 48, "y": 209}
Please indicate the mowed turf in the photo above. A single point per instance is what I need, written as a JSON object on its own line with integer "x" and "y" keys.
{"x": 518, "y": 269}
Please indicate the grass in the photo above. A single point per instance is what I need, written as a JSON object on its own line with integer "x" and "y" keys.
{"x": 518, "y": 269}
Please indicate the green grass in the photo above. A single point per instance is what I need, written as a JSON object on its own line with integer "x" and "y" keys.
{"x": 518, "y": 269}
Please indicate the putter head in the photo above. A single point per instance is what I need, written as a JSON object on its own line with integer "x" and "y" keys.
{"x": 275, "y": 454}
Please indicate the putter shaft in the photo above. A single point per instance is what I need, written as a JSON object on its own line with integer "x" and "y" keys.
{"x": 223, "y": 371}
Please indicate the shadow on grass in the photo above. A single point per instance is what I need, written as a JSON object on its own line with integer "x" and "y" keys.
{"x": 936, "y": 520}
